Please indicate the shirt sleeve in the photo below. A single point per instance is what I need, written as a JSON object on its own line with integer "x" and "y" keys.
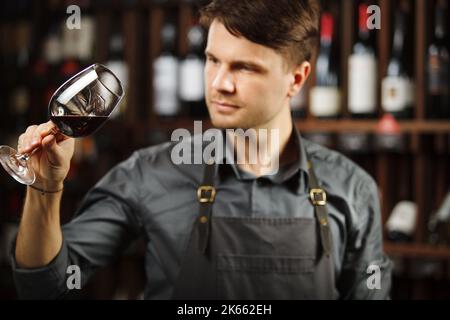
{"x": 366, "y": 270}
{"x": 105, "y": 224}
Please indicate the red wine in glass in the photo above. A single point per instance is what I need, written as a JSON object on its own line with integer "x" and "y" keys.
{"x": 78, "y": 126}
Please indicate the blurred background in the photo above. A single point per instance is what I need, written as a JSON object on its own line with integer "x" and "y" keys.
{"x": 379, "y": 95}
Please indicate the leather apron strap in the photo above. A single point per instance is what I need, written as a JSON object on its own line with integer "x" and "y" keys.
{"x": 206, "y": 194}
{"x": 318, "y": 198}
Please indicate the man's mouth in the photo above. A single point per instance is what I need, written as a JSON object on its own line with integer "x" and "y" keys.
{"x": 224, "y": 107}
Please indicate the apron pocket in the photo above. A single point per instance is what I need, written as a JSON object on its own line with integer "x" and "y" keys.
{"x": 264, "y": 277}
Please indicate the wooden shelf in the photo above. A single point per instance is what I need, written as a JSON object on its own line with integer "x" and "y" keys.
{"x": 369, "y": 126}
{"x": 410, "y": 250}
{"x": 317, "y": 125}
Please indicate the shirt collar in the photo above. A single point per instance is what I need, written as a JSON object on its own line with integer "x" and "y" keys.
{"x": 294, "y": 175}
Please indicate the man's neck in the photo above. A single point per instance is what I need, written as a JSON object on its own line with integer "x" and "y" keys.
{"x": 271, "y": 144}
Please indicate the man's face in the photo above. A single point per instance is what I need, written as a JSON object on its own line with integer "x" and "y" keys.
{"x": 246, "y": 83}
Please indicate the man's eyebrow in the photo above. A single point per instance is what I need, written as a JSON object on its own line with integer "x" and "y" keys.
{"x": 251, "y": 64}
{"x": 209, "y": 54}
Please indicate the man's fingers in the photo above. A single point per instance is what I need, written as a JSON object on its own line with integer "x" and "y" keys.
{"x": 20, "y": 143}
{"x": 47, "y": 140}
{"x": 42, "y": 130}
{"x": 39, "y": 132}
{"x": 30, "y": 129}
{"x": 25, "y": 142}
{"x": 33, "y": 135}
{"x": 46, "y": 128}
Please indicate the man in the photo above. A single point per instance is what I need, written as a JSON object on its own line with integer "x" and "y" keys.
{"x": 309, "y": 230}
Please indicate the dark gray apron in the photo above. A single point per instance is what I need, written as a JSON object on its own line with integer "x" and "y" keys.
{"x": 257, "y": 258}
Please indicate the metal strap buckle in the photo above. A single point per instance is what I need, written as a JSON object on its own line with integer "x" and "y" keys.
{"x": 204, "y": 198}
{"x": 318, "y": 196}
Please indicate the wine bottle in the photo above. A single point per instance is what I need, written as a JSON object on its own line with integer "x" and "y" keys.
{"x": 47, "y": 72}
{"x": 165, "y": 75}
{"x": 397, "y": 92}
{"x": 86, "y": 39}
{"x": 402, "y": 221}
{"x": 20, "y": 94}
{"x": 439, "y": 224}
{"x": 191, "y": 84}
{"x": 15, "y": 17}
{"x": 23, "y": 34}
{"x": 69, "y": 58}
{"x": 325, "y": 95}
{"x": 19, "y": 104}
{"x": 362, "y": 73}
{"x": 438, "y": 66}
{"x": 116, "y": 61}
{"x": 53, "y": 52}
{"x": 78, "y": 42}
{"x": 39, "y": 74}
{"x": 354, "y": 142}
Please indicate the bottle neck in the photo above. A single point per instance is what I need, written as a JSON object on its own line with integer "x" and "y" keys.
{"x": 440, "y": 30}
{"x": 363, "y": 30}
{"x": 195, "y": 40}
{"x": 116, "y": 47}
{"x": 326, "y": 67}
{"x": 399, "y": 35}
{"x": 326, "y": 28}
{"x": 168, "y": 38}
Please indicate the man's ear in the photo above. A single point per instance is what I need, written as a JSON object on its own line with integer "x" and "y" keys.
{"x": 299, "y": 75}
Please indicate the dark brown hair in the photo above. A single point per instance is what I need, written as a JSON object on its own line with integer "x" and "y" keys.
{"x": 287, "y": 26}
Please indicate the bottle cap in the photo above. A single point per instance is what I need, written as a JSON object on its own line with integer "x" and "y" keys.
{"x": 326, "y": 25}
{"x": 388, "y": 125}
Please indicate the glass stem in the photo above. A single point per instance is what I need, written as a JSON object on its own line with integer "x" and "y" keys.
{"x": 26, "y": 156}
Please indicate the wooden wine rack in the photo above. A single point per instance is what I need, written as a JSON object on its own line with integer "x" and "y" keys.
{"x": 428, "y": 140}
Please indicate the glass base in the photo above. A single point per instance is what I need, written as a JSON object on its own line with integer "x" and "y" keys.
{"x": 18, "y": 169}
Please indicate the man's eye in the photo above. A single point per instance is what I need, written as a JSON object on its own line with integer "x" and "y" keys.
{"x": 245, "y": 68}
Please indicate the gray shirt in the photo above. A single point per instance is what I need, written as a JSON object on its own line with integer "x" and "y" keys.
{"x": 148, "y": 195}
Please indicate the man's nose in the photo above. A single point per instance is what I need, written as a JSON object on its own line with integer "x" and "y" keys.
{"x": 223, "y": 81}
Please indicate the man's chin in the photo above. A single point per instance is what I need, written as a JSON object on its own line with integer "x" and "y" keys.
{"x": 222, "y": 122}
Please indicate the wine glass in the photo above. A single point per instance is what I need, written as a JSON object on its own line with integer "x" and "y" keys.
{"x": 78, "y": 108}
